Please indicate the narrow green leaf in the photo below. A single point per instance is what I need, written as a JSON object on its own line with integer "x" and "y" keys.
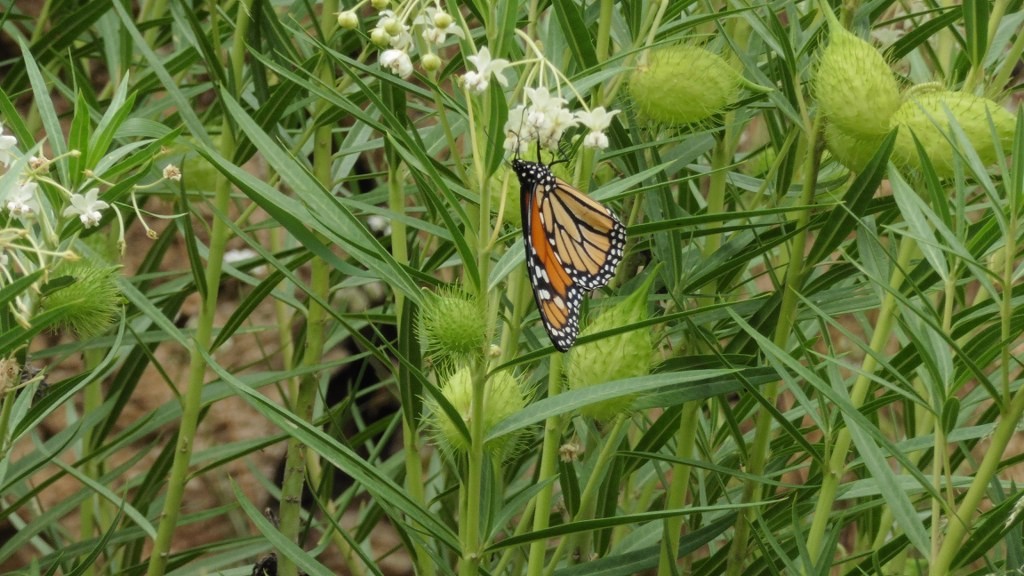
{"x": 568, "y": 401}
{"x": 195, "y": 262}
{"x": 976, "y": 29}
{"x": 120, "y": 107}
{"x": 574, "y": 28}
{"x": 47, "y": 113}
{"x": 78, "y": 140}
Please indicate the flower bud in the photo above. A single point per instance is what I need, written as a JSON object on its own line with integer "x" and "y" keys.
{"x": 348, "y": 20}
{"x": 625, "y": 355}
{"x": 683, "y": 84}
{"x": 854, "y": 85}
{"x": 88, "y": 298}
{"x": 380, "y": 38}
{"x": 379, "y": 4}
{"x": 442, "y": 20}
{"x": 926, "y": 114}
{"x": 392, "y": 26}
{"x": 503, "y": 397}
{"x": 454, "y": 324}
{"x": 431, "y": 62}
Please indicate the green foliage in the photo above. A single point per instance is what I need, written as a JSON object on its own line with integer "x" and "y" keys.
{"x": 810, "y": 344}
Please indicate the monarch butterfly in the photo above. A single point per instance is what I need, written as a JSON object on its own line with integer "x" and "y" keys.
{"x": 573, "y": 245}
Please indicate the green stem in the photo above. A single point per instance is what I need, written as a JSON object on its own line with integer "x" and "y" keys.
{"x": 296, "y": 465}
{"x": 835, "y": 466}
{"x": 413, "y": 467}
{"x": 204, "y": 332}
{"x": 1012, "y": 405}
{"x": 676, "y": 497}
{"x": 472, "y": 490}
{"x": 196, "y": 373}
{"x": 548, "y": 469}
{"x": 92, "y": 400}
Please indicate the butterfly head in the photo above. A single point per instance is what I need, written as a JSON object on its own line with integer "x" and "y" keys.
{"x": 529, "y": 173}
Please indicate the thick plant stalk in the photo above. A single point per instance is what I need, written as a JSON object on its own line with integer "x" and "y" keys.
{"x": 1012, "y": 403}
{"x": 836, "y": 464}
{"x": 548, "y": 469}
{"x": 204, "y": 333}
{"x": 316, "y": 319}
{"x": 760, "y": 449}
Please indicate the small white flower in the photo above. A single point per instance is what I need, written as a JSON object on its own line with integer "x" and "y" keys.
{"x": 518, "y": 134}
{"x": 597, "y": 121}
{"x": 391, "y": 31}
{"x": 397, "y": 61}
{"x": 390, "y": 23}
{"x": 7, "y": 143}
{"x": 485, "y": 67}
{"x": 476, "y": 83}
{"x": 596, "y": 140}
{"x": 23, "y": 201}
{"x": 87, "y": 207}
{"x": 542, "y": 101}
{"x": 437, "y": 25}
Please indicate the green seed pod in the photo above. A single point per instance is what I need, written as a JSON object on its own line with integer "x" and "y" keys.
{"x": 926, "y": 113}
{"x": 626, "y": 355}
{"x": 683, "y": 84}
{"x": 854, "y": 85}
{"x": 87, "y": 295}
{"x": 850, "y": 150}
{"x": 453, "y": 323}
{"x": 504, "y": 396}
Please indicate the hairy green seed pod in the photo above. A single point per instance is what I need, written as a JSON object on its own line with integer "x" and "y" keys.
{"x": 453, "y": 323}
{"x": 88, "y": 298}
{"x": 926, "y": 113}
{"x": 504, "y": 396}
{"x": 851, "y": 150}
{"x": 855, "y": 88}
{"x": 683, "y": 84}
{"x": 625, "y": 355}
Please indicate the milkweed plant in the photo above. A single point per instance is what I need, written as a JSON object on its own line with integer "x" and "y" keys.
{"x": 265, "y": 306}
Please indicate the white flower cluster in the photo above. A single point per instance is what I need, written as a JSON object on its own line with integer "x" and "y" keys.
{"x": 393, "y": 34}
{"x": 23, "y": 200}
{"x": 546, "y": 119}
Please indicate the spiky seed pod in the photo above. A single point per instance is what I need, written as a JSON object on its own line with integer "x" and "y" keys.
{"x": 851, "y": 150}
{"x": 683, "y": 84}
{"x": 453, "y": 323}
{"x": 855, "y": 88}
{"x": 504, "y": 396}
{"x": 89, "y": 296}
{"x": 626, "y": 355}
{"x": 924, "y": 114}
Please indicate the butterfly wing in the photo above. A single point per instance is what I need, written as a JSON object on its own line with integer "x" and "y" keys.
{"x": 587, "y": 237}
{"x": 573, "y": 245}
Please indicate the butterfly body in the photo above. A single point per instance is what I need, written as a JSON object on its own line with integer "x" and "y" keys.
{"x": 573, "y": 245}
